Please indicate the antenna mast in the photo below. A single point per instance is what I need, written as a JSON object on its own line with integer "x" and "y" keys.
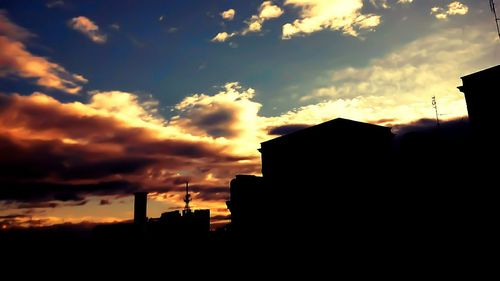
{"x": 497, "y": 20}
{"x": 187, "y": 199}
{"x": 434, "y": 104}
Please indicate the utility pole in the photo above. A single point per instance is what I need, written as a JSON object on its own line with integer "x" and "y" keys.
{"x": 497, "y": 20}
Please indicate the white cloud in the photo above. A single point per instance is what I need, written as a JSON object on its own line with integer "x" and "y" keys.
{"x": 115, "y": 26}
{"x": 454, "y": 8}
{"x": 223, "y": 36}
{"x": 267, "y": 11}
{"x": 457, "y": 8}
{"x": 55, "y": 3}
{"x": 228, "y": 15}
{"x": 254, "y": 25}
{"x": 230, "y": 114}
{"x": 396, "y": 87}
{"x": 400, "y": 85}
{"x": 405, "y": 1}
{"x": 380, "y": 4}
{"x": 88, "y": 28}
{"x": 317, "y": 15}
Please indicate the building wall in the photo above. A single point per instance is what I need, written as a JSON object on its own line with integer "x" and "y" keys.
{"x": 482, "y": 94}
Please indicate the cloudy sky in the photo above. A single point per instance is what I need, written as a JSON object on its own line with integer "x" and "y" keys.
{"x": 99, "y": 99}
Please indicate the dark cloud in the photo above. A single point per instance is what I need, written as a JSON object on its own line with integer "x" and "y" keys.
{"x": 42, "y": 159}
{"x": 287, "y": 129}
{"x": 448, "y": 127}
{"x": 35, "y": 205}
{"x": 220, "y": 218}
{"x": 53, "y": 152}
{"x": 216, "y": 121}
{"x": 54, "y": 118}
{"x": 212, "y": 193}
{"x": 175, "y": 148}
{"x": 44, "y": 191}
{"x": 104, "y": 202}
{"x": 385, "y": 121}
{"x": 424, "y": 145}
{"x": 13, "y": 216}
{"x": 202, "y": 192}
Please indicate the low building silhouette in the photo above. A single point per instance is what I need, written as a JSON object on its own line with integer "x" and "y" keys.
{"x": 175, "y": 225}
{"x": 324, "y": 175}
{"x": 245, "y": 191}
{"x": 180, "y": 225}
{"x": 335, "y": 148}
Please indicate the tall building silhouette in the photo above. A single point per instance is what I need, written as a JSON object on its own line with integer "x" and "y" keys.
{"x": 140, "y": 208}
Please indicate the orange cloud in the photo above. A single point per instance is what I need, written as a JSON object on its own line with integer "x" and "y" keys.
{"x": 11, "y": 30}
{"x": 111, "y": 146}
{"x": 116, "y": 143}
{"x": 88, "y": 28}
{"x": 16, "y": 60}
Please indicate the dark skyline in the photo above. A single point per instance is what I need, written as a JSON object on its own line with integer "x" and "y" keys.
{"x": 101, "y": 99}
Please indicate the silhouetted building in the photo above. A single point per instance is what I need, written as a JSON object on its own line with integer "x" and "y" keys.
{"x": 325, "y": 152}
{"x": 481, "y": 90}
{"x": 171, "y": 216}
{"x": 140, "y": 208}
{"x": 329, "y": 176}
{"x": 191, "y": 224}
{"x": 176, "y": 225}
{"x": 354, "y": 184}
{"x": 246, "y": 214}
{"x": 197, "y": 221}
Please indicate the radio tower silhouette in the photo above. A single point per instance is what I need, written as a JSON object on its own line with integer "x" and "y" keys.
{"x": 434, "y": 105}
{"x": 187, "y": 199}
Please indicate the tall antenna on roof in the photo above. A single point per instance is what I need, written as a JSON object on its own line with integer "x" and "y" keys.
{"x": 187, "y": 199}
{"x": 497, "y": 20}
{"x": 434, "y": 104}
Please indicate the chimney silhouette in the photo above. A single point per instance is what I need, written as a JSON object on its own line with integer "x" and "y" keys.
{"x": 140, "y": 207}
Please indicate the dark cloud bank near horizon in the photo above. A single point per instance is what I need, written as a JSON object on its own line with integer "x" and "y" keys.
{"x": 23, "y": 167}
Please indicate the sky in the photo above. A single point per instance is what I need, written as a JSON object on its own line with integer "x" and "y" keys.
{"x": 99, "y": 99}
